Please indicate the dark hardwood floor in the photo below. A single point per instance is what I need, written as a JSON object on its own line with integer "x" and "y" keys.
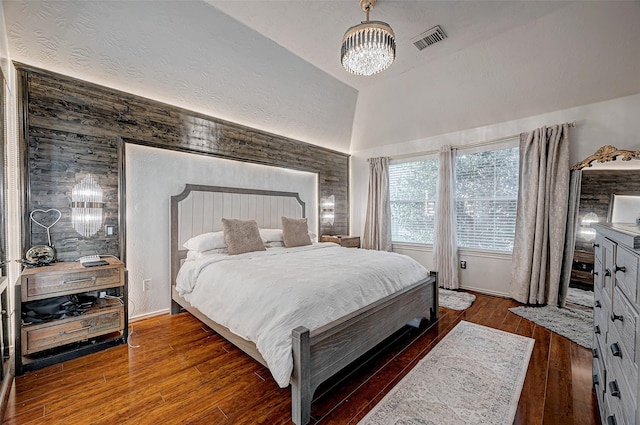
{"x": 183, "y": 373}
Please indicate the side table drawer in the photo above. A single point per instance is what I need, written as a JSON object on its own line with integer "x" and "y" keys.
{"x": 59, "y": 332}
{"x": 45, "y": 285}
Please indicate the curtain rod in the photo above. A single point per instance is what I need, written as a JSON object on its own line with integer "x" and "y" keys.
{"x": 471, "y": 145}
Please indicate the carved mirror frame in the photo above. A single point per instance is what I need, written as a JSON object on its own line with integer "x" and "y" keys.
{"x": 607, "y": 153}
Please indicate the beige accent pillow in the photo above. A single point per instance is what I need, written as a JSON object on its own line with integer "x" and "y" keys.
{"x": 242, "y": 236}
{"x": 295, "y": 232}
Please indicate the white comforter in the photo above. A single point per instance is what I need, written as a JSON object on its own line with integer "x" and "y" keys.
{"x": 262, "y": 296}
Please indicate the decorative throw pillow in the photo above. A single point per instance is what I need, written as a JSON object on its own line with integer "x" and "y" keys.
{"x": 242, "y": 236}
{"x": 295, "y": 232}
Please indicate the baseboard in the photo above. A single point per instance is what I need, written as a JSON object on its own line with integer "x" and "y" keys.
{"x": 486, "y": 291}
{"x": 149, "y": 315}
{"x": 7, "y": 383}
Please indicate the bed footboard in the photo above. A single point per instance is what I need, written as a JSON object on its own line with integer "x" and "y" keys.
{"x": 320, "y": 354}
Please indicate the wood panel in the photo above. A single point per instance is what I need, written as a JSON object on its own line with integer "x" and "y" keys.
{"x": 182, "y": 372}
{"x": 72, "y": 127}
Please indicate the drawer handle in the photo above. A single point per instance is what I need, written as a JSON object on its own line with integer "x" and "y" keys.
{"x": 611, "y": 420}
{"x": 622, "y": 269}
{"x": 596, "y": 245}
{"x": 607, "y": 272}
{"x": 615, "y": 350}
{"x": 615, "y": 317}
{"x": 77, "y": 330}
{"x": 596, "y": 381}
{"x": 597, "y": 304}
{"x": 596, "y": 330}
{"x": 92, "y": 278}
{"x": 594, "y": 352}
{"x": 615, "y": 391}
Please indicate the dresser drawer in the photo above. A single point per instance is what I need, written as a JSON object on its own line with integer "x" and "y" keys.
{"x": 624, "y": 319}
{"x": 627, "y": 273}
{"x": 617, "y": 379}
{"x": 42, "y": 336}
{"x": 624, "y": 362}
{"x": 63, "y": 282}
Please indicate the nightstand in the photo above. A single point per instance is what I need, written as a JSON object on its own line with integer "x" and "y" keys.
{"x": 342, "y": 240}
{"x": 41, "y": 343}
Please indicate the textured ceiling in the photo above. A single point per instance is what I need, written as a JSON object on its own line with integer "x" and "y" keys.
{"x": 274, "y": 65}
{"x": 313, "y": 30}
{"x": 185, "y": 53}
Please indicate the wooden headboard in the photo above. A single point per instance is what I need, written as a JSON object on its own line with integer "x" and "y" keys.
{"x": 198, "y": 209}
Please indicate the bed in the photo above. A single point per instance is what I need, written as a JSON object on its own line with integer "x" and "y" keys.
{"x": 317, "y": 352}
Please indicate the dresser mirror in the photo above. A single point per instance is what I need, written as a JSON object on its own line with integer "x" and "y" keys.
{"x": 609, "y": 182}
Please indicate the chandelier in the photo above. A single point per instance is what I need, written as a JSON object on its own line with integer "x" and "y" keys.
{"x": 370, "y": 47}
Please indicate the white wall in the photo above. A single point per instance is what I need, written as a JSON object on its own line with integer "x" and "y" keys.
{"x": 613, "y": 122}
{"x": 152, "y": 177}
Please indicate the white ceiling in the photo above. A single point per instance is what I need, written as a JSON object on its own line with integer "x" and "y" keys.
{"x": 313, "y": 30}
{"x": 274, "y": 65}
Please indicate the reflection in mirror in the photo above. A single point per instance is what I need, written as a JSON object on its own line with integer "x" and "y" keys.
{"x": 624, "y": 208}
{"x": 609, "y": 191}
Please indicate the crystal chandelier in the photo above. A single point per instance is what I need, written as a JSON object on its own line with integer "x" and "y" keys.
{"x": 370, "y": 47}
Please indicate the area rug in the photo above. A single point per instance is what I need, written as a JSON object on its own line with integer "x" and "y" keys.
{"x": 473, "y": 376}
{"x": 580, "y": 297}
{"x": 574, "y": 324}
{"x": 455, "y": 300}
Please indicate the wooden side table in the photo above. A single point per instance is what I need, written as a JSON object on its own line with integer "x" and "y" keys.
{"x": 103, "y": 325}
{"x": 342, "y": 240}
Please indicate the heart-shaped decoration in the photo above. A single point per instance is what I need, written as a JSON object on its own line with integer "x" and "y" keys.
{"x": 46, "y": 218}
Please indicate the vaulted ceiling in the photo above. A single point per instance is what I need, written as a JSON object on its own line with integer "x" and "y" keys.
{"x": 274, "y": 65}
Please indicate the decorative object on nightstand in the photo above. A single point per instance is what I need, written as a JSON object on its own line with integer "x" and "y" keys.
{"x": 342, "y": 240}
{"x": 66, "y": 310}
{"x": 41, "y": 255}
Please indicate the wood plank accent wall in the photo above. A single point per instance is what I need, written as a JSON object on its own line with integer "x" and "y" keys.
{"x": 595, "y": 194}
{"x": 72, "y": 128}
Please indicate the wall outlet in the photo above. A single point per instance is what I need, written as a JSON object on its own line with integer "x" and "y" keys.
{"x": 110, "y": 230}
{"x": 146, "y": 284}
{"x": 463, "y": 264}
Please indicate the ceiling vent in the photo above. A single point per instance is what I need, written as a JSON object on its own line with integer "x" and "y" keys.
{"x": 429, "y": 37}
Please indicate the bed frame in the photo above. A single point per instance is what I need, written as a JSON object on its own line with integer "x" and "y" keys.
{"x": 317, "y": 354}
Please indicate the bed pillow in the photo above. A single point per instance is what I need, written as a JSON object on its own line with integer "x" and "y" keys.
{"x": 295, "y": 232}
{"x": 242, "y": 236}
{"x": 271, "y": 235}
{"x": 206, "y": 242}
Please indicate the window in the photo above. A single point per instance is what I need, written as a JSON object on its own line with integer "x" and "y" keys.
{"x": 412, "y": 187}
{"x": 486, "y": 199}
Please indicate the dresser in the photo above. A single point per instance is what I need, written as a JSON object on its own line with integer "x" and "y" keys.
{"x": 616, "y": 349}
{"x": 100, "y": 321}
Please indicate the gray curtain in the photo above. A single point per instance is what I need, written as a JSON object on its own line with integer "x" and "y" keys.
{"x": 575, "y": 184}
{"x": 541, "y": 215}
{"x": 445, "y": 248}
{"x": 377, "y": 225}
